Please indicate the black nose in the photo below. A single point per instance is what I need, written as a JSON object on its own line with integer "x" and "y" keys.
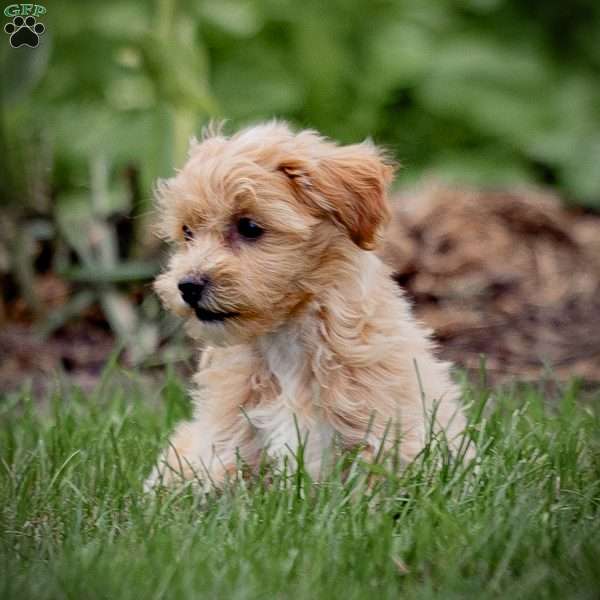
{"x": 191, "y": 289}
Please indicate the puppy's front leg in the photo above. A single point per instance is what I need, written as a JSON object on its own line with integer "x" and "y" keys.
{"x": 203, "y": 453}
{"x": 181, "y": 461}
{"x": 209, "y": 448}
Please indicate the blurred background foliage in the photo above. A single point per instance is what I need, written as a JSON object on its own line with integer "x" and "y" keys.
{"x": 488, "y": 92}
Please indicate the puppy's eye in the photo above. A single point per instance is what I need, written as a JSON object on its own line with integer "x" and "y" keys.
{"x": 249, "y": 229}
{"x": 188, "y": 234}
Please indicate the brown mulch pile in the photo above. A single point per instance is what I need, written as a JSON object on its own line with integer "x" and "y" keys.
{"x": 513, "y": 276}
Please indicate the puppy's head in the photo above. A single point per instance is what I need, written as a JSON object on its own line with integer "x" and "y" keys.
{"x": 258, "y": 221}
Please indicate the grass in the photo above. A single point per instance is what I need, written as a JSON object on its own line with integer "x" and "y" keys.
{"x": 76, "y": 524}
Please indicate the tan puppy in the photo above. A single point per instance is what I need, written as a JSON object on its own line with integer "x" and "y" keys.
{"x": 312, "y": 340}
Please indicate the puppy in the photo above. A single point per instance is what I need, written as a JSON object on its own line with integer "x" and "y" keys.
{"x": 311, "y": 340}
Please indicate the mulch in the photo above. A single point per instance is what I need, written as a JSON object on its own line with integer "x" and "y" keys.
{"x": 512, "y": 276}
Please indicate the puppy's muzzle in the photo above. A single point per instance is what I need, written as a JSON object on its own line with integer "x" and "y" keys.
{"x": 192, "y": 288}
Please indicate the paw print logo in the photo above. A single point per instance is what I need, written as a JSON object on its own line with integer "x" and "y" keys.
{"x": 24, "y": 32}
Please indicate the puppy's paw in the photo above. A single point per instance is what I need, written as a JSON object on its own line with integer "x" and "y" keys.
{"x": 173, "y": 468}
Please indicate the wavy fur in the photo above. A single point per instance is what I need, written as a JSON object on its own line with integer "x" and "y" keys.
{"x": 324, "y": 346}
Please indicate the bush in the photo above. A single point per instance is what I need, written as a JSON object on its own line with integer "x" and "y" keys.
{"x": 491, "y": 91}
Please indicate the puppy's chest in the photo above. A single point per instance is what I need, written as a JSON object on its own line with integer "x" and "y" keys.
{"x": 294, "y": 416}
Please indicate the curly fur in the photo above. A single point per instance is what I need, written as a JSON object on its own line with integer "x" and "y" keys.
{"x": 323, "y": 346}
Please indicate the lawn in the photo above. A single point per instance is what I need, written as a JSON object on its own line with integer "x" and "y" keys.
{"x": 75, "y": 522}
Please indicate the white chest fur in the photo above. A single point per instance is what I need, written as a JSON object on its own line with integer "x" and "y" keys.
{"x": 294, "y": 418}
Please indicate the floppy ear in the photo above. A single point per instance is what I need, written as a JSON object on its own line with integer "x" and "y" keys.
{"x": 350, "y": 184}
